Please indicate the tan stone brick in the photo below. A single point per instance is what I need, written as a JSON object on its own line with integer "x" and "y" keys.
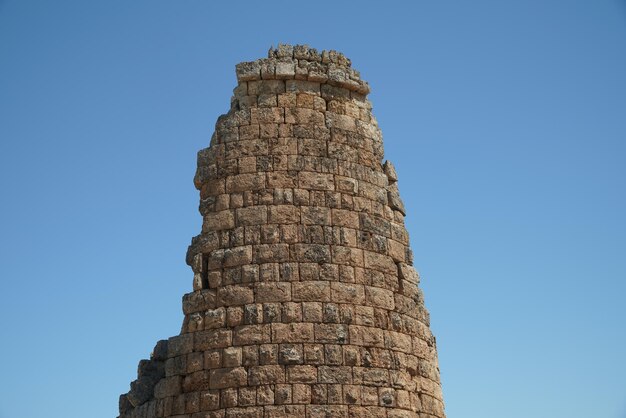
{"x": 432, "y": 406}
{"x": 379, "y": 262}
{"x": 300, "y": 86}
{"x": 234, "y": 316}
{"x": 271, "y": 253}
{"x": 334, "y": 392}
{"x": 217, "y": 221}
{"x": 282, "y": 394}
{"x": 176, "y": 365}
{"x": 311, "y": 147}
{"x": 248, "y": 132}
{"x": 315, "y": 181}
{"x": 302, "y": 374}
{"x": 352, "y": 394}
{"x": 231, "y": 357}
{"x": 301, "y": 394}
{"x": 234, "y": 295}
{"x": 228, "y": 397}
{"x": 396, "y": 250}
{"x": 374, "y": 376}
{"x": 314, "y": 353}
{"x": 364, "y": 315}
{"x": 265, "y": 396}
{"x": 214, "y": 338}
{"x": 292, "y": 332}
{"x": 264, "y": 375}
{"x": 312, "y": 253}
{"x": 213, "y": 359}
{"x": 331, "y": 333}
{"x": 381, "y": 298}
{"x": 347, "y": 255}
{"x": 268, "y": 130}
{"x": 398, "y": 341}
{"x": 306, "y": 100}
{"x": 351, "y": 355}
{"x": 227, "y": 378}
{"x": 237, "y": 256}
{"x": 258, "y": 87}
{"x": 366, "y": 336}
{"x": 369, "y": 395}
{"x": 284, "y": 214}
{"x": 311, "y": 291}
{"x": 209, "y": 400}
{"x": 179, "y": 345}
{"x": 282, "y": 179}
{"x": 270, "y": 234}
{"x": 303, "y": 116}
{"x": 316, "y": 215}
{"x": 267, "y": 115}
{"x": 245, "y": 182}
{"x": 312, "y": 311}
{"x": 199, "y": 301}
{"x": 273, "y": 292}
{"x": 287, "y": 99}
{"x": 347, "y": 293}
{"x": 292, "y": 312}
{"x": 408, "y": 273}
{"x": 252, "y": 334}
{"x": 253, "y": 215}
{"x": 319, "y": 394}
{"x": 289, "y": 354}
{"x": 375, "y": 224}
{"x": 250, "y": 355}
{"x": 346, "y": 218}
{"x": 333, "y": 353}
{"x": 323, "y": 411}
{"x": 334, "y": 120}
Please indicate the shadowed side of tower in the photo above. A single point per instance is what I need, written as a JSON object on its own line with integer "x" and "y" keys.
{"x": 305, "y": 302}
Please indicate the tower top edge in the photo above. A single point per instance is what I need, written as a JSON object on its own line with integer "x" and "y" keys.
{"x": 301, "y": 62}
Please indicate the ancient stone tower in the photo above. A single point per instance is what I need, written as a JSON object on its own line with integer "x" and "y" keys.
{"x": 304, "y": 302}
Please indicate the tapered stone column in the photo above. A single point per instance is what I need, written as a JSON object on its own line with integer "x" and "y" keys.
{"x": 305, "y": 302}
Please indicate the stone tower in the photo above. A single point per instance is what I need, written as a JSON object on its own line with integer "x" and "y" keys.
{"x": 305, "y": 302}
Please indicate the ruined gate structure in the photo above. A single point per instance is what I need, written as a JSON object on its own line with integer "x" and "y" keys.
{"x": 305, "y": 302}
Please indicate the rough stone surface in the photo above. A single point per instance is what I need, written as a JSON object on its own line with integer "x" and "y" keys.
{"x": 305, "y": 302}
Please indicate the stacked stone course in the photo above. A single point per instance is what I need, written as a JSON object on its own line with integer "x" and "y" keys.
{"x": 305, "y": 302}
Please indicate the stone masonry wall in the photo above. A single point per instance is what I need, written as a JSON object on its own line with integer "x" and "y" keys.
{"x": 305, "y": 302}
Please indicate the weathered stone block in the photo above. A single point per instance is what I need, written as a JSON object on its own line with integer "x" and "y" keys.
{"x": 311, "y": 291}
{"x": 379, "y": 262}
{"x": 264, "y": 375}
{"x": 347, "y": 293}
{"x": 381, "y": 298}
{"x": 253, "y": 215}
{"x": 289, "y": 354}
{"x": 234, "y": 295}
{"x": 228, "y": 378}
{"x": 214, "y": 338}
{"x": 245, "y": 182}
{"x": 315, "y": 181}
{"x": 302, "y": 374}
{"x": 284, "y": 214}
{"x": 331, "y": 333}
{"x": 251, "y": 334}
{"x": 273, "y": 292}
{"x": 218, "y": 221}
{"x": 312, "y": 253}
{"x": 292, "y": 333}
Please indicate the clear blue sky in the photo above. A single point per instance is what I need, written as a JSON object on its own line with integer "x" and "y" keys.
{"x": 506, "y": 121}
